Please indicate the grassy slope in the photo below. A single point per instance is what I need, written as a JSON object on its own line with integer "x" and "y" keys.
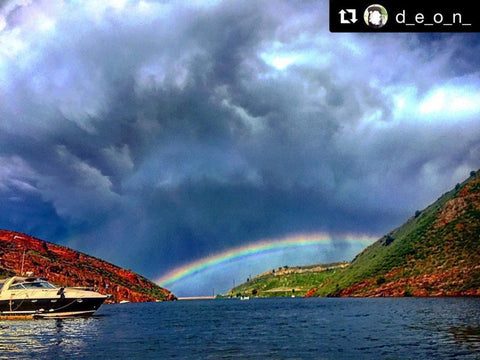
{"x": 273, "y": 284}
{"x": 419, "y": 247}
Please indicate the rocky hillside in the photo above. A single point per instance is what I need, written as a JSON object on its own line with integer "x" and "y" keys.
{"x": 66, "y": 267}
{"x": 435, "y": 253}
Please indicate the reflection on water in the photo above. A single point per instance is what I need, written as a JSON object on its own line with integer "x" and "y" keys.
{"x": 468, "y": 336}
{"x": 45, "y": 337}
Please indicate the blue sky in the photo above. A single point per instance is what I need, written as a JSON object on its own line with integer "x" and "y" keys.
{"x": 154, "y": 133}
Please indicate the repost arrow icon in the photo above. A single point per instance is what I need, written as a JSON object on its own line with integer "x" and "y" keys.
{"x": 353, "y": 18}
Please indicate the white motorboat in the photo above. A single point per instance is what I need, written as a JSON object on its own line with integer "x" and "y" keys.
{"x": 38, "y": 298}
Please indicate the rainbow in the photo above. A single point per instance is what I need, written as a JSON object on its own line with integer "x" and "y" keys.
{"x": 251, "y": 249}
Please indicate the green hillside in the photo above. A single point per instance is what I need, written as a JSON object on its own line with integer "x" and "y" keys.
{"x": 435, "y": 253}
{"x": 287, "y": 281}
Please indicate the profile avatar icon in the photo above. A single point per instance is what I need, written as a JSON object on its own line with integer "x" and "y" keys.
{"x": 375, "y": 16}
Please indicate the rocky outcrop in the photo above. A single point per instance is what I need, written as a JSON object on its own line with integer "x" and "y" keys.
{"x": 66, "y": 267}
{"x": 437, "y": 284}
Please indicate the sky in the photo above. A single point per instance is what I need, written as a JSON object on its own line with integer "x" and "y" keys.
{"x": 159, "y": 135}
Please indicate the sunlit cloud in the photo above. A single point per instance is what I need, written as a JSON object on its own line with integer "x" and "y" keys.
{"x": 456, "y": 102}
{"x": 280, "y": 62}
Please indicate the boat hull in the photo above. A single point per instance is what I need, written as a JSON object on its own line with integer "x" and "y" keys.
{"x": 51, "y": 307}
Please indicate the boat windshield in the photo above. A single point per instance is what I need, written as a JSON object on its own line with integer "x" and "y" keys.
{"x": 33, "y": 285}
{"x": 38, "y": 284}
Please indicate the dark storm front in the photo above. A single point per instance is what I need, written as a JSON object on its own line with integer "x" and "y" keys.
{"x": 281, "y": 328}
{"x": 403, "y": 16}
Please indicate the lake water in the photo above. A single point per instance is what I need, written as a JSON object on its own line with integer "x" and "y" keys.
{"x": 281, "y": 328}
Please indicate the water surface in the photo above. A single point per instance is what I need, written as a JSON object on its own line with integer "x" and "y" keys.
{"x": 281, "y": 328}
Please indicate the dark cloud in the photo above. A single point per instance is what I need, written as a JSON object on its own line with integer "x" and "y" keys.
{"x": 179, "y": 130}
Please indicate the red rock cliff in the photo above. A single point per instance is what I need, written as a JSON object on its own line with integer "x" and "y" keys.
{"x": 66, "y": 267}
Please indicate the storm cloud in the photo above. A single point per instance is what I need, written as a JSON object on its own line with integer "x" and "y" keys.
{"x": 154, "y": 133}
